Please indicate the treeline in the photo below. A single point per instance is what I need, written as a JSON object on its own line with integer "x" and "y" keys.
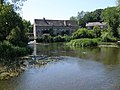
{"x": 88, "y": 38}
{"x": 111, "y": 15}
{"x": 13, "y": 29}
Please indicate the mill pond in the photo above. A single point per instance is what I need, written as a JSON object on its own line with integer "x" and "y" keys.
{"x": 74, "y": 69}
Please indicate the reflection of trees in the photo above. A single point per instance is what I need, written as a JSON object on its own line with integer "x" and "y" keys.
{"x": 111, "y": 55}
{"x": 105, "y": 55}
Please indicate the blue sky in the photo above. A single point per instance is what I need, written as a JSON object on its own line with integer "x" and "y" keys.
{"x": 61, "y": 9}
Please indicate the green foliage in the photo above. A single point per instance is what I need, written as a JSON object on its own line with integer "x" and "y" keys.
{"x": 83, "y": 33}
{"x": 107, "y": 37}
{"x": 97, "y": 31}
{"x": 12, "y": 29}
{"x": 10, "y": 52}
{"x": 73, "y": 18}
{"x": 67, "y": 38}
{"x": 58, "y": 39}
{"x": 111, "y": 16}
{"x": 9, "y": 19}
{"x": 84, "y": 17}
{"x": 46, "y": 38}
{"x": 17, "y": 4}
{"x": 94, "y": 16}
{"x": 83, "y": 42}
{"x": 28, "y": 27}
{"x": 49, "y": 38}
{"x": 17, "y": 37}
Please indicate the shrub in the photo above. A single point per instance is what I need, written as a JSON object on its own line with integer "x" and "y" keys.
{"x": 48, "y": 38}
{"x": 44, "y": 38}
{"x": 58, "y": 38}
{"x": 67, "y": 38}
{"x": 97, "y": 31}
{"x": 83, "y": 42}
{"x": 107, "y": 37}
{"x": 83, "y": 33}
{"x": 10, "y": 52}
{"x": 17, "y": 37}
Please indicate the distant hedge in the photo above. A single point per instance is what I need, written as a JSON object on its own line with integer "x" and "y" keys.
{"x": 50, "y": 39}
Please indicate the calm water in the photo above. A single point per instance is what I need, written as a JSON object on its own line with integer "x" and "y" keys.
{"x": 80, "y": 69}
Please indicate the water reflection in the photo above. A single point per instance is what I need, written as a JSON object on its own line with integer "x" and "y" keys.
{"x": 110, "y": 56}
{"x": 80, "y": 69}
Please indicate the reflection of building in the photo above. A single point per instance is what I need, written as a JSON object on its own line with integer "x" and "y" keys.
{"x": 54, "y": 27}
{"x": 35, "y": 49}
{"x": 90, "y": 25}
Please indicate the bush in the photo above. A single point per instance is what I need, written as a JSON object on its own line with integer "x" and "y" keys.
{"x": 107, "y": 37}
{"x": 44, "y": 38}
{"x": 67, "y": 38}
{"x": 58, "y": 38}
{"x": 97, "y": 31}
{"x": 83, "y": 33}
{"x": 10, "y": 52}
{"x": 49, "y": 38}
{"x": 83, "y": 42}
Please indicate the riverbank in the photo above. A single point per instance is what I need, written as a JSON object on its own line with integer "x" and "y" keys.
{"x": 7, "y": 72}
{"x": 108, "y": 44}
{"x": 14, "y": 70}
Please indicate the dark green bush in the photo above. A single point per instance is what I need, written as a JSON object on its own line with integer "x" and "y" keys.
{"x": 10, "y": 52}
{"x": 49, "y": 38}
{"x": 107, "y": 37}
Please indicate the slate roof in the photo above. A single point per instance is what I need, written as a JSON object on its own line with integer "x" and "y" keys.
{"x": 46, "y": 22}
{"x": 96, "y": 23}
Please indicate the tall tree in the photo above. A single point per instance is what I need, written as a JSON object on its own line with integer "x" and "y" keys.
{"x": 9, "y": 19}
{"x": 111, "y": 16}
{"x": 73, "y": 18}
{"x": 10, "y": 22}
{"x": 28, "y": 26}
{"x": 16, "y": 3}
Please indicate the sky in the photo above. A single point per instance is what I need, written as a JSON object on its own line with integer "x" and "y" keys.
{"x": 61, "y": 9}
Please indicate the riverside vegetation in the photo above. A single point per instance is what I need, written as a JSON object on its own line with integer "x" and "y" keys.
{"x": 13, "y": 39}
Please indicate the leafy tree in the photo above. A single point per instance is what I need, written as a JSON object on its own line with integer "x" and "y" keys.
{"x": 28, "y": 27}
{"x": 9, "y": 19}
{"x": 12, "y": 27}
{"x": 73, "y": 18}
{"x": 97, "y": 31}
{"x": 80, "y": 18}
{"x": 83, "y": 33}
{"x": 107, "y": 37}
{"x": 80, "y": 15}
{"x": 16, "y": 3}
{"x": 17, "y": 37}
{"x": 94, "y": 16}
{"x": 84, "y": 17}
{"x": 111, "y": 16}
